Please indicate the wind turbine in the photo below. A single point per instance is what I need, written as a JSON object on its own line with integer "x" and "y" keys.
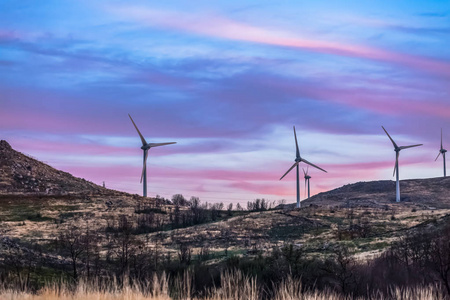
{"x": 307, "y": 178}
{"x": 298, "y": 160}
{"x": 146, "y": 146}
{"x": 397, "y": 150}
{"x": 442, "y": 151}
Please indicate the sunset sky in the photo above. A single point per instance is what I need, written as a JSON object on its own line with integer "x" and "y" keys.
{"x": 226, "y": 80}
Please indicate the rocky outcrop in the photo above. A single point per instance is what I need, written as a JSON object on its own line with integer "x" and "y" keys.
{"x": 21, "y": 174}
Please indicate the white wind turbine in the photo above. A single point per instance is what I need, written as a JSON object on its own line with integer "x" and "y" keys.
{"x": 307, "y": 178}
{"x": 442, "y": 151}
{"x": 298, "y": 160}
{"x": 397, "y": 150}
{"x": 146, "y": 146}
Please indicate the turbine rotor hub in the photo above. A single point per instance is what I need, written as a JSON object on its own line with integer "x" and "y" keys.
{"x": 298, "y": 159}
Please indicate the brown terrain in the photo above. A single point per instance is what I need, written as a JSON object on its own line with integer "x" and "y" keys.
{"x": 426, "y": 193}
{"x": 26, "y": 176}
{"x": 37, "y": 202}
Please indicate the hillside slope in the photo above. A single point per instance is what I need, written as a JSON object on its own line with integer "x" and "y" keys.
{"x": 23, "y": 175}
{"x": 429, "y": 193}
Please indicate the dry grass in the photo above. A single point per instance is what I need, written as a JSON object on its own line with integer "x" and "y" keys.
{"x": 234, "y": 285}
{"x": 158, "y": 289}
{"x": 291, "y": 289}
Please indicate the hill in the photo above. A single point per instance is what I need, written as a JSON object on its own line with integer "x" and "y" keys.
{"x": 428, "y": 193}
{"x": 23, "y": 175}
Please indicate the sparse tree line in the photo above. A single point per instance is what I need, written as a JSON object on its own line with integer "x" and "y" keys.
{"x": 184, "y": 213}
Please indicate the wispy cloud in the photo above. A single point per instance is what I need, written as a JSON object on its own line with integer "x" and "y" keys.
{"x": 221, "y": 27}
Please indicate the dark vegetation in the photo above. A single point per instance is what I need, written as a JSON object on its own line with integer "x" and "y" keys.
{"x": 184, "y": 213}
{"x": 421, "y": 256}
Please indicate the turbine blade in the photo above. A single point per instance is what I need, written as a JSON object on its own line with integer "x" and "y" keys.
{"x": 393, "y": 143}
{"x": 304, "y": 173}
{"x": 289, "y": 169}
{"x": 437, "y": 156}
{"x": 406, "y": 147}
{"x": 313, "y": 165}
{"x": 441, "y": 140}
{"x": 144, "y": 142}
{"x": 161, "y": 144}
{"x": 296, "y": 144}
{"x": 144, "y": 168}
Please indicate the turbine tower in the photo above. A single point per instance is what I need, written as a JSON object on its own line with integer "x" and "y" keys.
{"x": 145, "y": 147}
{"x": 397, "y": 150}
{"x": 298, "y": 160}
{"x": 307, "y": 178}
{"x": 442, "y": 151}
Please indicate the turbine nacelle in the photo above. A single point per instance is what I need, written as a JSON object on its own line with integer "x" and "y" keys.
{"x": 305, "y": 173}
{"x": 152, "y": 145}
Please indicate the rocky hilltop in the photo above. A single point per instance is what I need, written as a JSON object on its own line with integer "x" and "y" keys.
{"x": 23, "y": 175}
{"x": 429, "y": 193}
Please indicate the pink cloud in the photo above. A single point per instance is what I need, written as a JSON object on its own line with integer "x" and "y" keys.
{"x": 339, "y": 169}
{"x": 263, "y": 188}
{"x": 221, "y": 27}
{"x": 382, "y": 98}
{"x": 99, "y": 174}
{"x": 74, "y": 147}
{"x": 227, "y": 175}
{"x": 8, "y": 35}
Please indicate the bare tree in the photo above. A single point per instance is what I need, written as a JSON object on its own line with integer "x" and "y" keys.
{"x": 230, "y": 209}
{"x": 342, "y": 267}
{"x": 72, "y": 242}
{"x": 439, "y": 257}
{"x": 184, "y": 253}
{"x": 178, "y": 199}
